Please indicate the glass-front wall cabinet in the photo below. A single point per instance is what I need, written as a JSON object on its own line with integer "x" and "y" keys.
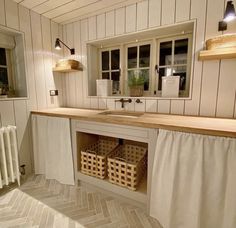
{"x": 149, "y": 57}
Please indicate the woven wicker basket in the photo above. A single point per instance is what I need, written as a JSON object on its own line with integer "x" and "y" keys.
{"x": 136, "y": 91}
{"x": 94, "y": 158}
{"x": 127, "y": 165}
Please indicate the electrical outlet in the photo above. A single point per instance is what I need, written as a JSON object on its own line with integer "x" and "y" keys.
{"x": 53, "y": 93}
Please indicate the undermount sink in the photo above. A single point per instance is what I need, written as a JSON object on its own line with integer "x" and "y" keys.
{"x": 122, "y": 114}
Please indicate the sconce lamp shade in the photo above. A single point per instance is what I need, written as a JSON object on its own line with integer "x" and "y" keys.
{"x": 58, "y": 46}
{"x": 229, "y": 12}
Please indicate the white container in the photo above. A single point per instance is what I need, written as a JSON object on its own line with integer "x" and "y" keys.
{"x": 170, "y": 86}
{"x": 104, "y": 87}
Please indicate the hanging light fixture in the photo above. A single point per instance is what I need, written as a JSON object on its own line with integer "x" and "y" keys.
{"x": 229, "y": 15}
{"x": 58, "y": 46}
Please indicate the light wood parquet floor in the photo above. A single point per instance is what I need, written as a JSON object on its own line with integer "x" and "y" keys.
{"x": 47, "y": 203}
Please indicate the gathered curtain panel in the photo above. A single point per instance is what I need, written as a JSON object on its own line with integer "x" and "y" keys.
{"x": 194, "y": 181}
{"x": 52, "y": 148}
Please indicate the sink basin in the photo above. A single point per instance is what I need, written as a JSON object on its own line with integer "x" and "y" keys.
{"x": 122, "y": 114}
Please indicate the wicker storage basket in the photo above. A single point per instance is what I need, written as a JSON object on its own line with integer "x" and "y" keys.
{"x": 68, "y": 62}
{"x": 223, "y": 41}
{"x": 127, "y": 165}
{"x": 94, "y": 158}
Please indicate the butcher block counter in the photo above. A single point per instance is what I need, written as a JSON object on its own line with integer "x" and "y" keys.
{"x": 199, "y": 125}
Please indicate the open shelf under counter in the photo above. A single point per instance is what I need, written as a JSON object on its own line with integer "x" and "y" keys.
{"x": 140, "y": 195}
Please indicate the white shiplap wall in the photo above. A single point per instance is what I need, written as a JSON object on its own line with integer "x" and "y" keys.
{"x": 39, "y": 36}
{"x": 214, "y": 82}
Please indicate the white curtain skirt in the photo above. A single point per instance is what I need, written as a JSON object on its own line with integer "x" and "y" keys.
{"x": 194, "y": 181}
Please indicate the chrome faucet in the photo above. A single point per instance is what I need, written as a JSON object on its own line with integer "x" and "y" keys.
{"x": 123, "y": 101}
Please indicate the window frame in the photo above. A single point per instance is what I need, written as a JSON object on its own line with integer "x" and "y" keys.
{"x": 138, "y": 44}
{"x": 154, "y": 42}
{"x": 110, "y": 49}
{"x": 182, "y": 93}
{"x": 9, "y": 66}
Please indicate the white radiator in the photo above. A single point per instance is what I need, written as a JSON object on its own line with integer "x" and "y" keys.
{"x": 9, "y": 162}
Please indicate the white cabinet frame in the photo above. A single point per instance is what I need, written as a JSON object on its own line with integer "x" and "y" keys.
{"x": 138, "y": 134}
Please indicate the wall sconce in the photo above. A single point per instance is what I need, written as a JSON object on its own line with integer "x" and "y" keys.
{"x": 58, "y": 46}
{"x": 229, "y": 15}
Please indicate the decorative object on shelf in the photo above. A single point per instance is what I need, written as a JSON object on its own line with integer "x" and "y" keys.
{"x": 223, "y": 41}
{"x": 58, "y": 46}
{"x": 127, "y": 165}
{"x": 94, "y": 157}
{"x": 136, "y": 83}
{"x": 67, "y": 65}
{"x": 229, "y": 15}
{"x": 104, "y": 87}
{"x": 220, "y": 47}
{"x": 170, "y": 86}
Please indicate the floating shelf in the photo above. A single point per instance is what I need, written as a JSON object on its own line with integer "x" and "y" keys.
{"x": 66, "y": 69}
{"x": 221, "y": 53}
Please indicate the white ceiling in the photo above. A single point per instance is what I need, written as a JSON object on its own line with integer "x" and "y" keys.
{"x": 66, "y": 11}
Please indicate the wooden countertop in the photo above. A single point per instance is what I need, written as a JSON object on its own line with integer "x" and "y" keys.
{"x": 200, "y": 125}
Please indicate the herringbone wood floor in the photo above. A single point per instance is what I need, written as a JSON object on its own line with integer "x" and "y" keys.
{"x": 77, "y": 207}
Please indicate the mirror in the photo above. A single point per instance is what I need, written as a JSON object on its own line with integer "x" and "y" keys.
{"x": 151, "y": 63}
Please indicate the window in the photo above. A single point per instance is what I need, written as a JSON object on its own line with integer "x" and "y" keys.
{"x": 5, "y": 71}
{"x": 174, "y": 60}
{"x": 153, "y": 53}
{"x": 110, "y": 67}
{"x": 138, "y": 60}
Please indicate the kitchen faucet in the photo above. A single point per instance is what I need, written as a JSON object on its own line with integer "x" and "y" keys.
{"x": 123, "y": 101}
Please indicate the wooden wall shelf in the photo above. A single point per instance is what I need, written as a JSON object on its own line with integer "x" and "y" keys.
{"x": 223, "y": 53}
{"x": 66, "y": 69}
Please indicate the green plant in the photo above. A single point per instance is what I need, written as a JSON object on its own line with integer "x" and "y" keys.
{"x": 136, "y": 78}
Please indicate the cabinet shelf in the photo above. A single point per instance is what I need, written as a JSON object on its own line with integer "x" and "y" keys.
{"x": 223, "y": 53}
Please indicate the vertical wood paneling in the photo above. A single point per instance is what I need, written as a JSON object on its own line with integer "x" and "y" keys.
{"x": 101, "y": 25}
{"x": 140, "y": 107}
{"x": 12, "y": 19}
{"x": 120, "y": 21}
{"x": 211, "y": 69}
{"x": 209, "y": 88}
{"x": 38, "y": 60}
{"x": 47, "y": 58}
{"x": 7, "y": 113}
{"x": 182, "y": 10}
{"x": 130, "y": 15}
{"x": 154, "y": 13}
{"x": 142, "y": 15}
{"x": 227, "y": 89}
{"x": 163, "y": 106}
{"x": 177, "y": 107}
{"x": 102, "y": 103}
{"x": 71, "y": 77}
{"x": 56, "y": 55}
{"x": 94, "y": 102}
{"x": 25, "y": 26}
{"x": 151, "y": 105}
{"x": 79, "y": 75}
{"x": 92, "y": 27}
{"x": 23, "y": 134}
{"x": 84, "y": 38}
{"x": 2, "y": 12}
{"x": 198, "y": 11}
{"x": 168, "y": 12}
{"x": 110, "y": 23}
{"x": 111, "y": 104}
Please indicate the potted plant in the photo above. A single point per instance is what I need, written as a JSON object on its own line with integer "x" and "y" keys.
{"x": 136, "y": 83}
